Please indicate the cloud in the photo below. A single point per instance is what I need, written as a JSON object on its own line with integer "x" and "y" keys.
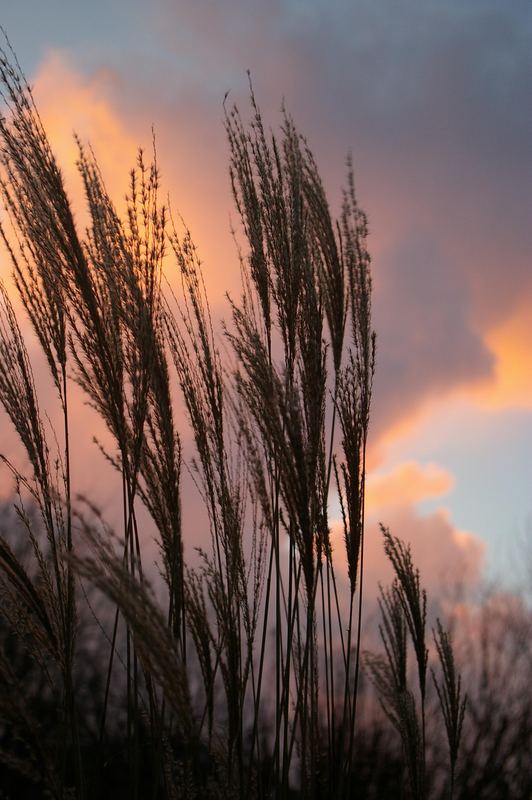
{"x": 434, "y": 102}
{"x": 70, "y": 103}
{"x": 426, "y": 344}
{"x": 407, "y": 484}
{"x": 509, "y": 342}
{"x": 450, "y": 560}
{"x": 445, "y": 555}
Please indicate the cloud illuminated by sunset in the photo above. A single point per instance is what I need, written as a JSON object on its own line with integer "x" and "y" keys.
{"x": 509, "y": 342}
{"x": 434, "y": 106}
{"x": 69, "y": 104}
{"x": 408, "y": 484}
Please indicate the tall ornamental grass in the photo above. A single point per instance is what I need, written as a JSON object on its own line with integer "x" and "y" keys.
{"x": 245, "y": 680}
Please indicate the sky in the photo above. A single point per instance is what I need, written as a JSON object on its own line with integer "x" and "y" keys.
{"x": 432, "y": 97}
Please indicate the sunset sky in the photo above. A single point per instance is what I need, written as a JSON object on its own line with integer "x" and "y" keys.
{"x": 433, "y": 98}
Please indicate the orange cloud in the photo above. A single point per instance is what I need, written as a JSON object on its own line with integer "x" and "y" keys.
{"x": 509, "y": 341}
{"x": 407, "y": 484}
{"x": 69, "y": 103}
{"x": 191, "y": 155}
{"x": 509, "y": 386}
